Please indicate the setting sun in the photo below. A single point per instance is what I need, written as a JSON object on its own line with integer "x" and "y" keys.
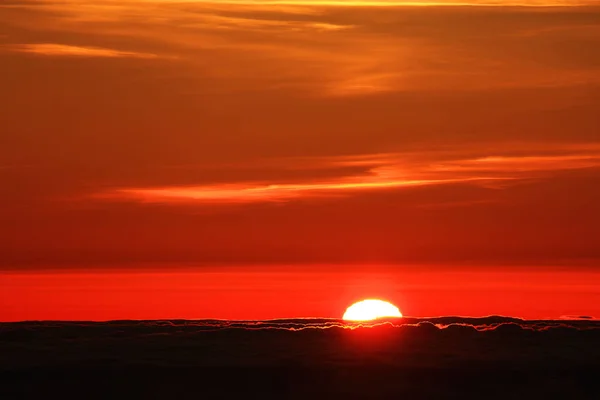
{"x": 370, "y": 309}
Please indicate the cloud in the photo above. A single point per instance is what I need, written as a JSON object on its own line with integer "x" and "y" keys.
{"x": 577, "y": 317}
{"x": 389, "y": 171}
{"x": 523, "y": 163}
{"x": 216, "y": 21}
{"x": 269, "y": 360}
{"x": 328, "y": 49}
{"x": 62, "y": 50}
{"x": 442, "y": 342}
{"x": 327, "y": 3}
{"x": 242, "y": 193}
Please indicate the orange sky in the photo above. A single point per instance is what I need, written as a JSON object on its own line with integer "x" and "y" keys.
{"x": 298, "y": 134}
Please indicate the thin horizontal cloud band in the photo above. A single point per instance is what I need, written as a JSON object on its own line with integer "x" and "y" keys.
{"x": 381, "y": 172}
{"x": 58, "y": 50}
{"x": 244, "y": 193}
{"x": 399, "y": 3}
{"x": 340, "y": 3}
{"x": 383, "y": 3}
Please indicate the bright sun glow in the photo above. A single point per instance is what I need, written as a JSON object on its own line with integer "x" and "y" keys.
{"x": 371, "y": 309}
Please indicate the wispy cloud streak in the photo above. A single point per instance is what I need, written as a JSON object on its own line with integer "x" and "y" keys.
{"x": 63, "y": 50}
{"x": 342, "y": 3}
{"x": 379, "y": 172}
{"x": 323, "y": 48}
{"x": 243, "y": 193}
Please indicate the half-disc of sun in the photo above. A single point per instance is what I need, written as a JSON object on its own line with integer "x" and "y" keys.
{"x": 371, "y": 309}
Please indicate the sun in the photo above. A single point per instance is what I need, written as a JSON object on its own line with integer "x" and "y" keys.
{"x": 370, "y": 309}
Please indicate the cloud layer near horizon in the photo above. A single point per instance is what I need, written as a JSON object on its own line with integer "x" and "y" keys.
{"x": 428, "y": 342}
{"x": 499, "y": 357}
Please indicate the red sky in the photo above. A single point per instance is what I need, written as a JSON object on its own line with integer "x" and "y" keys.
{"x": 298, "y": 291}
{"x": 329, "y": 141}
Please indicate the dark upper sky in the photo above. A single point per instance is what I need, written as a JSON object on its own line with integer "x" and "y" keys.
{"x": 156, "y": 130}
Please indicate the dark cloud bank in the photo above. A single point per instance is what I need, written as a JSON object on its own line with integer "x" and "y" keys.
{"x": 446, "y": 357}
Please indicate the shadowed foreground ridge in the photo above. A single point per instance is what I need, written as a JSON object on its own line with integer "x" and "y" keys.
{"x": 492, "y": 357}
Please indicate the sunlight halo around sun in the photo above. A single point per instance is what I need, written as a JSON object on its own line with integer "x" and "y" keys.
{"x": 371, "y": 309}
